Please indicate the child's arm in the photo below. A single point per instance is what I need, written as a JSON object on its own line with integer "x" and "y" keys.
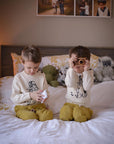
{"x": 37, "y": 95}
{"x": 21, "y": 95}
{"x": 17, "y": 96}
{"x": 45, "y": 87}
{"x": 88, "y": 77}
{"x": 71, "y": 78}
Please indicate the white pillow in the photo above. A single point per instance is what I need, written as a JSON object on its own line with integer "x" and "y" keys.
{"x": 56, "y": 98}
{"x": 6, "y": 89}
{"x": 102, "y": 94}
{"x": 56, "y": 60}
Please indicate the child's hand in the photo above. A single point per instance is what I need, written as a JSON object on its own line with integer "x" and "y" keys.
{"x": 72, "y": 61}
{"x": 36, "y": 95}
{"x": 87, "y": 65}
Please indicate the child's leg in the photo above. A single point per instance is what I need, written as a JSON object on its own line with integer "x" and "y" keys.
{"x": 66, "y": 112}
{"x": 79, "y": 115}
{"x": 20, "y": 107}
{"x": 36, "y": 111}
{"x": 25, "y": 114}
{"x": 28, "y": 111}
{"x": 44, "y": 114}
{"x": 88, "y": 112}
{"x": 82, "y": 114}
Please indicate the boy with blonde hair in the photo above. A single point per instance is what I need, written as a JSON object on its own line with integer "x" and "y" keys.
{"x": 29, "y": 84}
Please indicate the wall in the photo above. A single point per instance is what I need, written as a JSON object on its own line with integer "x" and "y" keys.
{"x": 19, "y": 25}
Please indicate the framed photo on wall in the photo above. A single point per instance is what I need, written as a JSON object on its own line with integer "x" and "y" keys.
{"x": 102, "y": 8}
{"x": 74, "y": 8}
{"x": 83, "y": 8}
{"x": 55, "y": 7}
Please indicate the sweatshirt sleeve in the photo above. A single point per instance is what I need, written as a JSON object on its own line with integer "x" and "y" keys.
{"x": 88, "y": 79}
{"x": 17, "y": 96}
{"x": 45, "y": 87}
{"x": 45, "y": 84}
{"x": 71, "y": 78}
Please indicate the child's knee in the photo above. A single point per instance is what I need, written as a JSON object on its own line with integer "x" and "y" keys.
{"x": 88, "y": 112}
{"x": 20, "y": 107}
{"x": 66, "y": 112}
{"x": 82, "y": 114}
{"x": 36, "y": 111}
{"x": 25, "y": 114}
{"x": 44, "y": 114}
{"x": 79, "y": 115}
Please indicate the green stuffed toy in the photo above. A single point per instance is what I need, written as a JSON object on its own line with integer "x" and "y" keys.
{"x": 51, "y": 74}
{"x": 36, "y": 111}
{"x": 75, "y": 112}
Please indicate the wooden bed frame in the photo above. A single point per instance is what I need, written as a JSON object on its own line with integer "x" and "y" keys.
{"x": 6, "y": 65}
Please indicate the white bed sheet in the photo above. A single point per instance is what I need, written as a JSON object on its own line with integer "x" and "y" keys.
{"x": 98, "y": 130}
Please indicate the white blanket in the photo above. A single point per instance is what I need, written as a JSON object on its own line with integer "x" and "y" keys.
{"x": 98, "y": 130}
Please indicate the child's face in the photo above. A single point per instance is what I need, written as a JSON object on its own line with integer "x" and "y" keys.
{"x": 102, "y": 5}
{"x": 30, "y": 67}
{"x": 77, "y": 68}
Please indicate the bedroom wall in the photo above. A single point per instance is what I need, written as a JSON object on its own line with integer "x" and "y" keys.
{"x": 19, "y": 25}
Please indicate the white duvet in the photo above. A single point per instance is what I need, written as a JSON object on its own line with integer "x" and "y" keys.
{"x": 98, "y": 130}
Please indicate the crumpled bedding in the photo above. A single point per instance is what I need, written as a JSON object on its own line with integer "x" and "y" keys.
{"x": 100, "y": 129}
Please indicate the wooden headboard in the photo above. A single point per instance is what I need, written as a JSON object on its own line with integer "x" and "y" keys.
{"x": 6, "y": 65}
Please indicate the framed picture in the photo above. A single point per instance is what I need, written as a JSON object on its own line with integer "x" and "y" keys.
{"x": 55, "y": 8}
{"x": 83, "y": 8}
{"x": 74, "y": 8}
{"x": 102, "y": 8}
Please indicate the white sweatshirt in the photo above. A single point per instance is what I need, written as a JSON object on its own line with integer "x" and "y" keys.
{"x": 78, "y": 89}
{"x": 23, "y": 84}
{"x": 101, "y": 13}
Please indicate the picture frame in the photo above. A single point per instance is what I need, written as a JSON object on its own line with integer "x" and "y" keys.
{"x": 55, "y": 8}
{"x": 74, "y": 8}
{"x": 98, "y": 6}
{"x": 83, "y": 8}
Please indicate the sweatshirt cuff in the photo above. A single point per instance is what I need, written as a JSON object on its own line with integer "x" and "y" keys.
{"x": 27, "y": 96}
{"x": 88, "y": 71}
{"x": 71, "y": 69}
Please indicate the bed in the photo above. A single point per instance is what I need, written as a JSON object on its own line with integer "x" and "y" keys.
{"x": 100, "y": 129}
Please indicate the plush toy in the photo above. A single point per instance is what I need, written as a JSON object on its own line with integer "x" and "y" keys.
{"x": 36, "y": 111}
{"x": 105, "y": 69}
{"x": 62, "y": 74}
{"x": 51, "y": 75}
{"x": 75, "y": 112}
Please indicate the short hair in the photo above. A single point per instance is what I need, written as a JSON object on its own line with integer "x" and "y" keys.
{"x": 31, "y": 53}
{"x": 80, "y": 51}
{"x": 101, "y": 1}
